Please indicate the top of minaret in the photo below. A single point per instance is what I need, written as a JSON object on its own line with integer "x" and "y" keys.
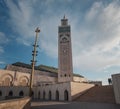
{"x": 64, "y": 17}
{"x": 64, "y": 21}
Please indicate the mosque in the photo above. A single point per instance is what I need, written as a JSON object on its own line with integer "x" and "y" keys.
{"x": 49, "y": 83}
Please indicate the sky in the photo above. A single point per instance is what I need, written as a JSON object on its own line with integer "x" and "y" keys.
{"x": 95, "y": 33}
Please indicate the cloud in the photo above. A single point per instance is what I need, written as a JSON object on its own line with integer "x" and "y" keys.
{"x": 3, "y": 38}
{"x": 1, "y": 62}
{"x": 95, "y": 35}
{"x": 26, "y": 16}
{"x": 98, "y": 38}
{"x": 21, "y": 21}
{"x": 1, "y": 50}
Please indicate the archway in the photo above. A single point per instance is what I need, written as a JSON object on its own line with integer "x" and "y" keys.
{"x": 57, "y": 95}
{"x": 32, "y": 94}
{"x": 0, "y": 93}
{"x": 39, "y": 95}
{"x": 43, "y": 95}
{"x": 10, "y": 93}
{"x": 66, "y": 96}
{"x": 21, "y": 93}
{"x": 50, "y": 95}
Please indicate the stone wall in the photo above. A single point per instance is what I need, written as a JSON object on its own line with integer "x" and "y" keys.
{"x": 58, "y": 92}
{"x": 44, "y": 79}
{"x": 79, "y": 88}
{"x": 10, "y": 92}
{"x": 79, "y": 79}
{"x": 27, "y": 70}
{"x": 13, "y": 78}
{"x": 116, "y": 86}
{"x": 21, "y": 103}
{"x": 97, "y": 83}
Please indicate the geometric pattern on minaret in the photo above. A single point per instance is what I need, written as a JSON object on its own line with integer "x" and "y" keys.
{"x": 65, "y": 66}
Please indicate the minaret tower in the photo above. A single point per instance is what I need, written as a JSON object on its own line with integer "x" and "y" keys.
{"x": 65, "y": 67}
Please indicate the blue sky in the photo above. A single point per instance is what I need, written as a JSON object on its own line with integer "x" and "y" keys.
{"x": 95, "y": 32}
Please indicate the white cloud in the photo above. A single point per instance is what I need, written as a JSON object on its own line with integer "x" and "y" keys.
{"x": 25, "y": 18}
{"x": 95, "y": 40}
{"x": 3, "y": 38}
{"x": 1, "y": 50}
{"x": 21, "y": 19}
{"x": 1, "y": 62}
{"x": 98, "y": 40}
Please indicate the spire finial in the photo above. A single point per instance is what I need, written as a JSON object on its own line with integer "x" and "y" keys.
{"x": 64, "y": 16}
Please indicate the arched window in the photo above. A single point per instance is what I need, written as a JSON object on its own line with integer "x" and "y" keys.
{"x": 43, "y": 95}
{"x": 21, "y": 93}
{"x": 66, "y": 96}
{"x": 11, "y": 93}
{"x": 32, "y": 94}
{"x": 57, "y": 95}
{"x": 39, "y": 95}
{"x": 0, "y": 93}
{"x": 50, "y": 95}
{"x": 64, "y": 39}
{"x": 65, "y": 75}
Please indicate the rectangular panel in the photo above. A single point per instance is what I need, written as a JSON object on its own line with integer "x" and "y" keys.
{"x": 64, "y": 29}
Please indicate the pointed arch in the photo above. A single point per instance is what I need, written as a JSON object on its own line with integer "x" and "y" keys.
{"x": 32, "y": 94}
{"x": 44, "y": 95}
{"x": 0, "y": 93}
{"x": 10, "y": 93}
{"x": 21, "y": 93}
{"x": 57, "y": 95}
{"x": 39, "y": 95}
{"x": 66, "y": 95}
{"x": 50, "y": 95}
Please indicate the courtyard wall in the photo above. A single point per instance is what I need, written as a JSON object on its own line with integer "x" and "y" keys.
{"x": 116, "y": 86}
{"x": 54, "y": 92}
{"x": 11, "y": 92}
{"x": 79, "y": 88}
{"x": 57, "y": 92}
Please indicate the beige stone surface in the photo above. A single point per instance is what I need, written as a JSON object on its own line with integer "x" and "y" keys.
{"x": 21, "y": 103}
{"x": 13, "y": 78}
{"x": 65, "y": 66}
{"x": 79, "y": 88}
{"x": 79, "y": 79}
{"x": 15, "y": 90}
{"x": 60, "y": 87}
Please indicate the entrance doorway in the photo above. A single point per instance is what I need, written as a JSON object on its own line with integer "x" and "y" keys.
{"x": 66, "y": 97}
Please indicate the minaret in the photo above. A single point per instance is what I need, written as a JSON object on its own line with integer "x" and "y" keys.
{"x": 65, "y": 67}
